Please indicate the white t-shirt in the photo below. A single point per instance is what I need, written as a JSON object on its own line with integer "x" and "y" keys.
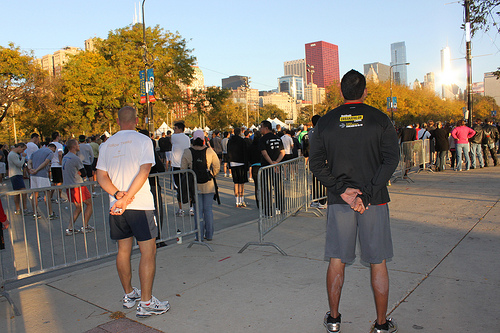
{"x": 31, "y": 147}
{"x": 121, "y": 157}
{"x": 287, "y": 143}
{"x": 55, "y": 159}
{"x": 180, "y": 142}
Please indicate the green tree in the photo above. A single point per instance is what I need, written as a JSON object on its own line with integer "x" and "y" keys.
{"x": 98, "y": 83}
{"x": 212, "y": 104}
{"x": 17, "y": 77}
{"x": 89, "y": 92}
{"x": 271, "y": 111}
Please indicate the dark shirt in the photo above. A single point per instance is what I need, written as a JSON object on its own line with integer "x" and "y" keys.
{"x": 356, "y": 146}
{"x": 441, "y": 137}
{"x": 272, "y": 145}
{"x": 408, "y": 134}
{"x": 237, "y": 150}
{"x": 165, "y": 144}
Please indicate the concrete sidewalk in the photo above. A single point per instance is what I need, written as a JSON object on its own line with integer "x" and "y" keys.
{"x": 445, "y": 276}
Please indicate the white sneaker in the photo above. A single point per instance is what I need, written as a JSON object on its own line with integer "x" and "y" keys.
{"x": 191, "y": 211}
{"x": 129, "y": 300}
{"x": 153, "y": 307}
{"x": 180, "y": 212}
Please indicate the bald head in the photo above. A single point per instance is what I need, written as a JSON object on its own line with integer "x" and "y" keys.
{"x": 127, "y": 117}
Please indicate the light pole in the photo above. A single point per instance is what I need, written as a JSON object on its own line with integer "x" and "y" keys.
{"x": 151, "y": 125}
{"x": 310, "y": 69}
{"x": 390, "y": 81}
{"x": 246, "y": 88}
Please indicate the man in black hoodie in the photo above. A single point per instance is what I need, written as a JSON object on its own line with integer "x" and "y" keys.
{"x": 354, "y": 152}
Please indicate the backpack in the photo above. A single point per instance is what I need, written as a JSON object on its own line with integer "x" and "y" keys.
{"x": 200, "y": 166}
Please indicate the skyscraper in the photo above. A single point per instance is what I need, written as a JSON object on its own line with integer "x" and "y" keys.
{"x": 295, "y": 67}
{"x": 398, "y": 56}
{"x": 293, "y": 85}
{"x": 381, "y": 70}
{"x": 235, "y": 81}
{"x": 325, "y": 59}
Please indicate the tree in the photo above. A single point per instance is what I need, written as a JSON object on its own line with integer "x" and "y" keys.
{"x": 271, "y": 111}
{"x": 17, "y": 77}
{"x": 212, "y": 104}
{"x": 89, "y": 92}
{"x": 483, "y": 15}
{"x": 97, "y": 84}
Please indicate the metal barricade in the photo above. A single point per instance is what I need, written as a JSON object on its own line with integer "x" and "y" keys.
{"x": 282, "y": 193}
{"x": 38, "y": 242}
{"x": 413, "y": 154}
{"x": 316, "y": 194}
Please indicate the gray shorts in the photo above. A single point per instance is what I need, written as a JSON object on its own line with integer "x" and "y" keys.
{"x": 372, "y": 229}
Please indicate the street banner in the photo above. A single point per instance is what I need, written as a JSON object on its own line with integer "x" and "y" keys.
{"x": 142, "y": 77}
{"x": 150, "y": 85}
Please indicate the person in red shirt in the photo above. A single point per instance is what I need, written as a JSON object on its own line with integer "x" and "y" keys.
{"x": 5, "y": 225}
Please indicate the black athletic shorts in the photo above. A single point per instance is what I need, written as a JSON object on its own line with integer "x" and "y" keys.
{"x": 138, "y": 223}
{"x": 56, "y": 175}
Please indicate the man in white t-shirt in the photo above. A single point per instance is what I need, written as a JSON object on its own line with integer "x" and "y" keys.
{"x": 180, "y": 142}
{"x": 32, "y": 145}
{"x": 287, "y": 144}
{"x": 125, "y": 160}
{"x": 56, "y": 164}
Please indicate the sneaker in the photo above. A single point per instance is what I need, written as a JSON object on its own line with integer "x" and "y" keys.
{"x": 70, "y": 232}
{"x": 332, "y": 324}
{"x": 154, "y": 306}
{"x": 322, "y": 206}
{"x": 87, "y": 229}
{"x": 314, "y": 204}
{"x": 180, "y": 212}
{"x": 27, "y": 212}
{"x": 191, "y": 211}
{"x": 243, "y": 204}
{"x": 129, "y": 300}
{"x": 37, "y": 216}
{"x": 390, "y": 326}
{"x": 17, "y": 212}
{"x": 53, "y": 216}
{"x": 250, "y": 180}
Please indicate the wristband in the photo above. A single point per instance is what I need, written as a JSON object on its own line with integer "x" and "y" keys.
{"x": 116, "y": 194}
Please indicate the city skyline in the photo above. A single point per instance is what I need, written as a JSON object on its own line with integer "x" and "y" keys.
{"x": 237, "y": 39}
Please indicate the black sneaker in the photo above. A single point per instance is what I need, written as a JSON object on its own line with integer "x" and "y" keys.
{"x": 390, "y": 326}
{"x": 332, "y": 324}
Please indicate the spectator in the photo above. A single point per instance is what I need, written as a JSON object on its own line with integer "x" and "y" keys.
{"x": 38, "y": 166}
{"x": 17, "y": 160}
{"x": 180, "y": 142}
{"x": 462, "y": 134}
{"x": 237, "y": 155}
{"x": 490, "y": 137}
{"x": 205, "y": 163}
{"x": 475, "y": 144}
{"x": 442, "y": 146}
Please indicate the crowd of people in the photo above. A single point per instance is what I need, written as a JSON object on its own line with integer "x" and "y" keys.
{"x": 51, "y": 163}
{"x": 462, "y": 147}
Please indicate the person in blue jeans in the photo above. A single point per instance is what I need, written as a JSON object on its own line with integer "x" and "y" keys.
{"x": 462, "y": 134}
{"x": 204, "y": 162}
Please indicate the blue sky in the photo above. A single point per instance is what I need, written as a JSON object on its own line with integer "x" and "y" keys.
{"x": 254, "y": 38}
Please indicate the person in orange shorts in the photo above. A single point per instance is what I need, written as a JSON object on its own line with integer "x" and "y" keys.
{"x": 73, "y": 171}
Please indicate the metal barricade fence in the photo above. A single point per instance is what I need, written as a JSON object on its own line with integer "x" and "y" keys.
{"x": 282, "y": 192}
{"x": 413, "y": 154}
{"x": 38, "y": 242}
{"x": 316, "y": 194}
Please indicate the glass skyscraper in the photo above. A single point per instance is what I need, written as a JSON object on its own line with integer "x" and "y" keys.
{"x": 398, "y": 56}
{"x": 293, "y": 85}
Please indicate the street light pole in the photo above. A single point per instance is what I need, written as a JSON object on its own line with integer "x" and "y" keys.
{"x": 390, "y": 81}
{"x": 146, "y": 65}
{"x": 310, "y": 69}
{"x": 468, "y": 58}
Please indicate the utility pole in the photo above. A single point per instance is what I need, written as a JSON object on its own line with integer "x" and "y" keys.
{"x": 151, "y": 125}
{"x": 468, "y": 58}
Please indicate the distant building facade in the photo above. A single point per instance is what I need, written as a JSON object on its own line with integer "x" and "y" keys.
{"x": 54, "y": 63}
{"x": 382, "y": 71}
{"x": 319, "y": 94}
{"x": 234, "y": 82}
{"x": 293, "y": 85}
{"x": 296, "y": 67}
{"x": 282, "y": 100}
{"x": 492, "y": 86}
{"x": 325, "y": 59}
{"x": 181, "y": 110}
{"x": 398, "y": 56}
